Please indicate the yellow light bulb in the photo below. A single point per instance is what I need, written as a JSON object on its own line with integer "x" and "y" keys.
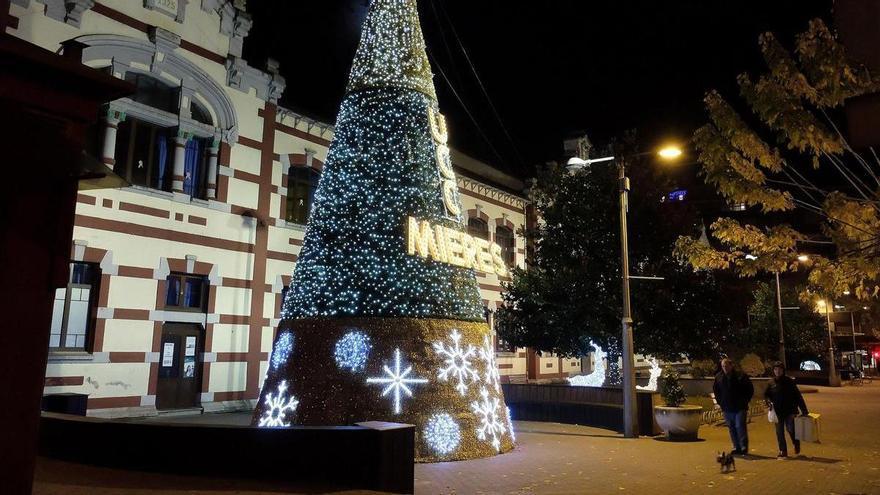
{"x": 670, "y": 152}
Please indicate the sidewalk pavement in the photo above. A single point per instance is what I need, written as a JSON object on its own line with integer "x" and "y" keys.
{"x": 563, "y": 459}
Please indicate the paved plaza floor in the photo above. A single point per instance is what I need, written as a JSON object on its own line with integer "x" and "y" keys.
{"x": 563, "y": 459}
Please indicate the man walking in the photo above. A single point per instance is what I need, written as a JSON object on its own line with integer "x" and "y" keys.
{"x": 733, "y": 391}
{"x": 785, "y": 398}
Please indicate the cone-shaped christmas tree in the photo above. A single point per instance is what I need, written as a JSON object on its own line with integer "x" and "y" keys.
{"x": 383, "y": 320}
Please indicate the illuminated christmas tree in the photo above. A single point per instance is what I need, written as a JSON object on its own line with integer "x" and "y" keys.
{"x": 384, "y": 319}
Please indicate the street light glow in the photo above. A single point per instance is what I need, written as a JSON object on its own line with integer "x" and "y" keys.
{"x": 803, "y": 258}
{"x": 670, "y": 152}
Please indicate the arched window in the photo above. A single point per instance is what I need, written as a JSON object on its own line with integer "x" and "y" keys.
{"x": 504, "y": 238}
{"x": 477, "y": 227}
{"x": 153, "y": 92}
{"x": 200, "y": 114}
{"x": 176, "y": 103}
{"x": 145, "y": 140}
{"x": 301, "y": 185}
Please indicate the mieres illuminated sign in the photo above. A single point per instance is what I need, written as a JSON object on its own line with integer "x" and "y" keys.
{"x": 454, "y": 247}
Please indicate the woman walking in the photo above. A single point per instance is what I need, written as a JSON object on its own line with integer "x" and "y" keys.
{"x": 785, "y": 399}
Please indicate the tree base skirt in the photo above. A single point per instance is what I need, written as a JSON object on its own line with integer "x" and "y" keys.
{"x": 341, "y": 371}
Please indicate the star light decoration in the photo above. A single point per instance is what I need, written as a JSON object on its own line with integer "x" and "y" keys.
{"x": 282, "y": 350}
{"x": 442, "y": 433}
{"x": 352, "y": 350}
{"x": 491, "y": 424}
{"x": 597, "y": 377}
{"x": 277, "y": 407}
{"x": 487, "y": 354}
{"x": 397, "y": 381}
{"x": 457, "y": 362}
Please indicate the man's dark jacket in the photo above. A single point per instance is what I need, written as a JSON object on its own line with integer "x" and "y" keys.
{"x": 785, "y": 397}
{"x": 733, "y": 392}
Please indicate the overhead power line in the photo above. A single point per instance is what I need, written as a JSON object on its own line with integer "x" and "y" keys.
{"x": 476, "y": 75}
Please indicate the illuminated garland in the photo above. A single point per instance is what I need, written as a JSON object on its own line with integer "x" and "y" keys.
{"x": 597, "y": 377}
{"x": 652, "y": 380}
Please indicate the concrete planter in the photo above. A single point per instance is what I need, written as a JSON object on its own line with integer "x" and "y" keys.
{"x": 679, "y": 423}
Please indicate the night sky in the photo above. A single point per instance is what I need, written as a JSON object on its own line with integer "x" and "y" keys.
{"x": 551, "y": 68}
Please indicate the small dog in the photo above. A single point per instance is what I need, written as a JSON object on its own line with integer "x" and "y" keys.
{"x": 727, "y": 462}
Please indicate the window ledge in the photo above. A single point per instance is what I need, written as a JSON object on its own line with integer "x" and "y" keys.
{"x": 210, "y": 204}
{"x": 158, "y": 193}
{"x": 506, "y": 354}
{"x": 290, "y": 225}
{"x": 62, "y": 356}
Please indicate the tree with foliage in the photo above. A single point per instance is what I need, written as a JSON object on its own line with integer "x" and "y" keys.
{"x": 570, "y": 293}
{"x": 805, "y": 332}
{"x": 815, "y": 171}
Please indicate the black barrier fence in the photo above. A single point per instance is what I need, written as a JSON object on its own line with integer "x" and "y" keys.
{"x": 373, "y": 456}
{"x": 601, "y": 407}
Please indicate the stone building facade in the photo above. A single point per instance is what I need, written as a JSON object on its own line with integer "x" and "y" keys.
{"x": 176, "y": 281}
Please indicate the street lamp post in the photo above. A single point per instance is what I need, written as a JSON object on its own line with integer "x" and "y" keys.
{"x": 630, "y": 411}
{"x": 781, "y": 329}
{"x": 833, "y": 379}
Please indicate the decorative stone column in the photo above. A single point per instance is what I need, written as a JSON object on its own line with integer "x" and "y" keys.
{"x": 112, "y": 118}
{"x": 213, "y": 151}
{"x": 179, "y": 161}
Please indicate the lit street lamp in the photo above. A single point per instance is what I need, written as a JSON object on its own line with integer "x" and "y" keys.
{"x": 630, "y": 419}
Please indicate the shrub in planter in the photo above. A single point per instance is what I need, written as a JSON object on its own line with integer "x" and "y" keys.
{"x": 752, "y": 365}
{"x": 702, "y": 368}
{"x": 672, "y": 391}
{"x": 678, "y": 421}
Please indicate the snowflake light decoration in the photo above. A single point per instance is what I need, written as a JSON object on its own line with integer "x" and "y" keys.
{"x": 397, "y": 381}
{"x": 457, "y": 363}
{"x": 277, "y": 407}
{"x": 510, "y": 425}
{"x": 652, "y": 380}
{"x": 491, "y": 424}
{"x": 442, "y": 433}
{"x": 282, "y": 350}
{"x": 597, "y": 377}
{"x": 352, "y": 351}
{"x": 487, "y": 354}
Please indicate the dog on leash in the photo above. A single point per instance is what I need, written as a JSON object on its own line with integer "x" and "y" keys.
{"x": 727, "y": 462}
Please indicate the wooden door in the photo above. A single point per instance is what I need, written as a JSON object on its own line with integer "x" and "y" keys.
{"x": 179, "y": 383}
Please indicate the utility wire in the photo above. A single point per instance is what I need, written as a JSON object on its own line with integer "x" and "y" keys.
{"x": 446, "y": 45}
{"x": 464, "y": 106}
{"x": 477, "y": 77}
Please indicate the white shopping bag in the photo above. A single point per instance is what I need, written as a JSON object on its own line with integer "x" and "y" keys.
{"x": 771, "y": 416}
{"x": 806, "y": 428}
